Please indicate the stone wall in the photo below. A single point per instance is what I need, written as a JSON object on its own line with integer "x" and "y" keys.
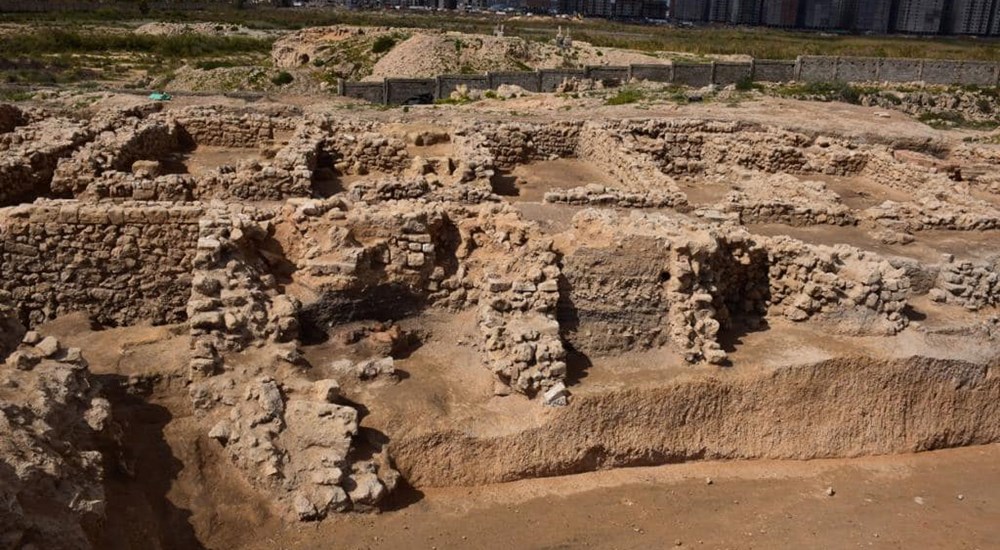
{"x": 29, "y": 155}
{"x": 612, "y": 148}
{"x": 120, "y": 263}
{"x": 552, "y": 79}
{"x": 135, "y": 139}
{"x": 731, "y": 73}
{"x": 530, "y": 81}
{"x": 234, "y": 127}
{"x": 511, "y": 144}
{"x": 692, "y": 74}
{"x": 10, "y": 117}
{"x": 973, "y": 285}
{"x": 773, "y": 70}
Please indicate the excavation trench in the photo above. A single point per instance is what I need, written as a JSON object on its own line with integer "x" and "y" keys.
{"x": 843, "y": 407}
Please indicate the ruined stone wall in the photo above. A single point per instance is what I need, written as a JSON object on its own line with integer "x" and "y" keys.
{"x": 615, "y": 151}
{"x": 689, "y": 283}
{"x": 785, "y": 199}
{"x": 29, "y": 155}
{"x": 687, "y": 147}
{"x": 518, "y": 143}
{"x": 362, "y": 151}
{"x": 973, "y": 285}
{"x": 10, "y": 117}
{"x": 115, "y": 150}
{"x": 120, "y": 263}
{"x": 212, "y": 126}
{"x": 234, "y": 300}
{"x": 612, "y": 298}
{"x": 810, "y": 280}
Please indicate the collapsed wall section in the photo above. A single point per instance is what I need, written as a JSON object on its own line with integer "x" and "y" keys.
{"x": 642, "y": 280}
{"x": 121, "y": 263}
{"x": 29, "y": 155}
{"x": 212, "y": 126}
{"x": 514, "y": 143}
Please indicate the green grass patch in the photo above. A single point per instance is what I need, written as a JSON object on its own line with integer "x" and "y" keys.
{"x": 625, "y": 96}
{"x": 383, "y": 44}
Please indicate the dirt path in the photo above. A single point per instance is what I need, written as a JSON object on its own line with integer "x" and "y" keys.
{"x": 945, "y": 499}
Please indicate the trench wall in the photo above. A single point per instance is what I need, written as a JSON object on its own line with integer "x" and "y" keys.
{"x": 122, "y": 263}
{"x": 801, "y": 412}
{"x": 805, "y": 68}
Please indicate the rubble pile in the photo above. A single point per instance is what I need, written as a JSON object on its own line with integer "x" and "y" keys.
{"x": 115, "y": 150}
{"x": 785, "y": 199}
{"x": 973, "y": 285}
{"x": 53, "y": 425}
{"x": 30, "y": 153}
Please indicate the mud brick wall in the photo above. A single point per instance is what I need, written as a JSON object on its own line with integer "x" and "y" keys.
{"x": 122, "y": 263}
{"x": 613, "y": 298}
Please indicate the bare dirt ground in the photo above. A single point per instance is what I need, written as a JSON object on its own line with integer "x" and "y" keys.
{"x": 943, "y": 499}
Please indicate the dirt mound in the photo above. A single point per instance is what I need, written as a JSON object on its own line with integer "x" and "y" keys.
{"x": 213, "y": 29}
{"x": 355, "y": 53}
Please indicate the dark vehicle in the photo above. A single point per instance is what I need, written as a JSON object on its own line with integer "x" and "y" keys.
{"x": 420, "y": 99}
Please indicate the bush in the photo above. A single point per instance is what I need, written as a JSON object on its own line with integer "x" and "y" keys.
{"x": 624, "y": 97}
{"x": 283, "y": 78}
{"x": 383, "y": 44}
{"x": 745, "y": 84}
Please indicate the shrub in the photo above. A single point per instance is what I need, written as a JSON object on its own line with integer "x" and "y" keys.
{"x": 624, "y": 97}
{"x": 745, "y": 84}
{"x": 283, "y": 78}
{"x": 383, "y": 44}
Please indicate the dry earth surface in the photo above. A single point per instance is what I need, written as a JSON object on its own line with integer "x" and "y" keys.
{"x": 538, "y": 321}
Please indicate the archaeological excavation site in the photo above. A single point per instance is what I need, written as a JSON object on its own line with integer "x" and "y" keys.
{"x": 241, "y": 324}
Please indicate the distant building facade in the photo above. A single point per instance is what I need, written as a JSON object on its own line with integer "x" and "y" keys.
{"x": 971, "y": 16}
{"x": 780, "y": 13}
{"x": 873, "y": 16}
{"x": 919, "y": 16}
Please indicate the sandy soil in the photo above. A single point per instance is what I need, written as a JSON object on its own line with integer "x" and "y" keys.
{"x": 945, "y": 499}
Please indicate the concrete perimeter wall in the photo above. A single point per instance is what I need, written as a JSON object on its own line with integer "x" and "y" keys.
{"x": 805, "y": 68}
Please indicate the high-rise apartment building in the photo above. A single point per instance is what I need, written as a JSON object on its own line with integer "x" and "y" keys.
{"x": 919, "y": 16}
{"x": 971, "y": 16}
{"x": 780, "y": 13}
{"x": 873, "y": 16}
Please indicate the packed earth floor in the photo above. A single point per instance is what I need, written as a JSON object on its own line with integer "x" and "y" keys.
{"x": 277, "y": 324}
